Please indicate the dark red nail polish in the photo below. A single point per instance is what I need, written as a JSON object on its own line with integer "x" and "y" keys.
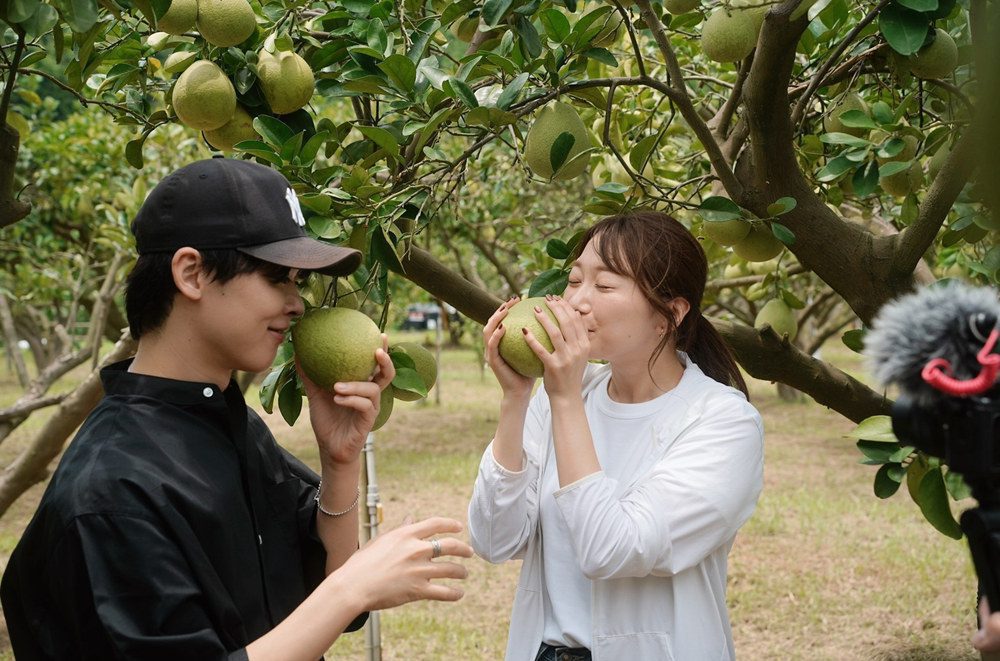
{"x": 524, "y": 330}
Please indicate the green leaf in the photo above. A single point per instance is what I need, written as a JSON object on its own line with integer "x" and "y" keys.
{"x": 844, "y": 139}
{"x": 857, "y": 119}
{"x": 557, "y": 249}
{"x": 377, "y": 38}
{"x": 602, "y": 55}
{"x": 886, "y": 481}
{"x": 511, "y": 92}
{"x": 920, "y": 5}
{"x": 530, "y": 43}
{"x": 834, "y": 169}
{"x": 463, "y": 92}
{"x": 268, "y": 389}
{"x": 782, "y": 233}
{"x": 556, "y": 25}
{"x": 382, "y": 138}
{"x": 290, "y": 401}
{"x": 854, "y": 340}
{"x": 80, "y": 14}
{"x": 640, "y": 154}
{"x": 291, "y": 148}
{"x": 865, "y": 179}
{"x": 552, "y": 281}
{"x": 903, "y": 28}
{"x": 891, "y": 148}
{"x": 781, "y": 206}
{"x": 494, "y": 10}
{"x": 933, "y": 501}
{"x": 717, "y": 209}
{"x": 882, "y": 113}
{"x": 560, "y": 150}
{"x": 410, "y": 380}
{"x": 401, "y": 71}
{"x": 792, "y": 300}
{"x": 877, "y": 428}
{"x": 892, "y": 167}
{"x": 308, "y": 152}
{"x": 384, "y": 251}
{"x": 956, "y": 485}
{"x": 274, "y": 131}
{"x": 19, "y": 11}
{"x": 877, "y": 452}
{"x": 133, "y": 152}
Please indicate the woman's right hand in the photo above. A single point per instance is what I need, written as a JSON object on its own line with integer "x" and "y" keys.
{"x": 511, "y": 382}
{"x": 400, "y": 566}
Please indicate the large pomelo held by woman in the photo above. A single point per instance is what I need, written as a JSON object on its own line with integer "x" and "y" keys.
{"x": 335, "y": 345}
{"x": 514, "y": 348}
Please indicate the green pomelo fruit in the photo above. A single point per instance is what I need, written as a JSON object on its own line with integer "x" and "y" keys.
{"x": 203, "y": 97}
{"x": 831, "y": 120}
{"x": 513, "y": 347}
{"x": 677, "y": 7}
{"x": 552, "y": 121}
{"x": 779, "y": 316}
{"x": 936, "y": 161}
{"x": 423, "y": 361}
{"x": 726, "y": 232}
{"x": 733, "y": 271}
{"x": 937, "y": 60}
{"x": 226, "y": 23}
{"x": 346, "y": 296}
{"x": 286, "y": 79}
{"x": 759, "y": 245}
{"x": 180, "y": 17}
{"x": 903, "y": 183}
{"x": 179, "y": 61}
{"x": 236, "y": 130}
{"x": 729, "y": 35}
{"x": 335, "y": 345}
{"x": 385, "y": 402}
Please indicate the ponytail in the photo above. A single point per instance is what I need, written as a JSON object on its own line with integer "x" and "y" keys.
{"x": 712, "y": 355}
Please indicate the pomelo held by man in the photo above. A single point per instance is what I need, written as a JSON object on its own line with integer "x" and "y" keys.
{"x": 514, "y": 348}
{"x": 335, "y": 345}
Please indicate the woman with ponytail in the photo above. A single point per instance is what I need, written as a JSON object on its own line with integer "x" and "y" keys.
{"x": 621, "y": 485}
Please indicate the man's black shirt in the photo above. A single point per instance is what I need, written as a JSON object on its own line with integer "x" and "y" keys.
{"x": 174, "y": 527}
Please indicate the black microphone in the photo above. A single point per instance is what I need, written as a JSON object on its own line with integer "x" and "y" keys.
{"x": 950, "y": 323}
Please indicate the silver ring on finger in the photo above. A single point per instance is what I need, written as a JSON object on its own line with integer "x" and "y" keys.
{"x": 435, "y": 548}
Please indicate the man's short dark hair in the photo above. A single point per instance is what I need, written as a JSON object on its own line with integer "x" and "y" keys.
{"x": 150, "y": 288}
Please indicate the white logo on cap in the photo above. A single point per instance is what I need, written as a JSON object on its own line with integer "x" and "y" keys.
{"x": 293, "y": 203}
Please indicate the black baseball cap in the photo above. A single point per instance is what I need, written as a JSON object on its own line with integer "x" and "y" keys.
{"x": 221, "y": 203}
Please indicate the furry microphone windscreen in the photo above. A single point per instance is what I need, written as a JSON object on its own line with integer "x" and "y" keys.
{"x": 949, "y": 321}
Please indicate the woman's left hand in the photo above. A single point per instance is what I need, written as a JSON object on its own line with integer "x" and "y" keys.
{"x": 343, "y": 417}
{"x": 564, "y": 367}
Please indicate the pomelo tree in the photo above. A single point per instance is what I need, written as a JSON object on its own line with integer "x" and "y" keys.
{"x": 848, "y": 142}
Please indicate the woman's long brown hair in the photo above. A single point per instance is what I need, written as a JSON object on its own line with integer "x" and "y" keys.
{"x": 666, "y": 262}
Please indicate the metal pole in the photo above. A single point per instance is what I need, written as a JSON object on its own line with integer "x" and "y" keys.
{"x": 373, "y": 629}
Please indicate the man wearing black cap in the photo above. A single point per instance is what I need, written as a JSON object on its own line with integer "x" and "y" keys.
{"x": 175, "y": 527}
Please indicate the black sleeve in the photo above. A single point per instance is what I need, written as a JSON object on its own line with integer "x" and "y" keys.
{"x": 123, "y": 575}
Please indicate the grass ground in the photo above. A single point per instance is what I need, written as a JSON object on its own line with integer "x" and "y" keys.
{"x": 823, "y": 570}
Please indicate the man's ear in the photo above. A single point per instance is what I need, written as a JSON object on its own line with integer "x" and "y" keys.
{"x": 189, "y": 273}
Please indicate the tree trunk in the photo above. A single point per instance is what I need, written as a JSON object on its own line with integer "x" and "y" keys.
{"x": 31, "y": 466}
{"x": 11, "y": 340}
{"x": 11, "y": 208}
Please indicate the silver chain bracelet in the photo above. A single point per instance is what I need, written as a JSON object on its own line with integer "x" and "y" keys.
{"x": 319, "y": 488}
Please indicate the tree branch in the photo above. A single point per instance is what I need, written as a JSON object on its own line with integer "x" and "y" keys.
{"x": 766, "y": 356}
{"x": 910, "y": 245}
